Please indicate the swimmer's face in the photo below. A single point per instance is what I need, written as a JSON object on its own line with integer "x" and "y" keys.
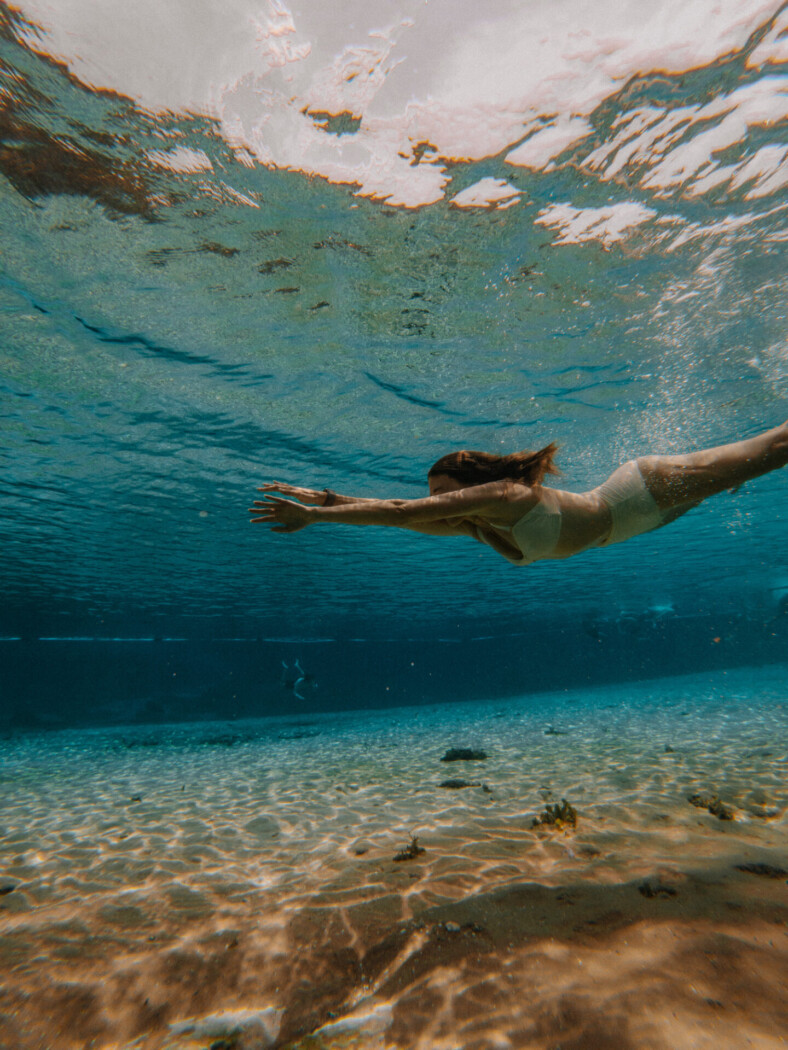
{"x": 440, "y": 483}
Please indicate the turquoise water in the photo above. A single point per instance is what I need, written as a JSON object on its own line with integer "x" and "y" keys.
{"x": 169, "y": 344}
{"x": 325, "y": 245}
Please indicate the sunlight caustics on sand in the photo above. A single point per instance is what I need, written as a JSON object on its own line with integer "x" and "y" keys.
{"x": 164, "y": 885}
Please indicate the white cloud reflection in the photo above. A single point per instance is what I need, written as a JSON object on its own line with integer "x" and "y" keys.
{"x": 430, "y": 80}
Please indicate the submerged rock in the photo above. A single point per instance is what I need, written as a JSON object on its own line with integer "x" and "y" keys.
{"x": 712, "y": 803}
{"x": 766, "y": 871}
{"x": 464, "y": 754}
{"x": 656, "y": 888}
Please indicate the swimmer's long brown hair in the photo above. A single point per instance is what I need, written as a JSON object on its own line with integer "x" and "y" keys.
{"x": 476, "y": 468}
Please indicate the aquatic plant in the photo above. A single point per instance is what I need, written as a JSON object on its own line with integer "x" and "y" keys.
{"x": 558, "y": 816}
{"x": 413, "y": 849}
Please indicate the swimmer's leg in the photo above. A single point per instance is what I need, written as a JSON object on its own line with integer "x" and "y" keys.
{"x": 686, "y": 480}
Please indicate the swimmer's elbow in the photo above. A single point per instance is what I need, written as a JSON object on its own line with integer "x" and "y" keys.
{"x": 401, "y": 511}
{"x": 509, "y": 491}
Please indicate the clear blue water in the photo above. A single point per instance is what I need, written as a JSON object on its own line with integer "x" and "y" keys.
{"x": 326, "y": 244}
{"x": 166, "y": 347}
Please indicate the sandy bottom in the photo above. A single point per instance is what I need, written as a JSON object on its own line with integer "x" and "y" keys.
{"x": 233, "y": 885}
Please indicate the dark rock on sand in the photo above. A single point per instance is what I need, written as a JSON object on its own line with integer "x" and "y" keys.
{"x": 713, "y": 804}
{"x": 464, "y": 754}
{"x": 766, "y": 871}
{"x": 655, "y": 888}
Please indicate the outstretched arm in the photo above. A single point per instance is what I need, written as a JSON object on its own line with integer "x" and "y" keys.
{"x": 313, "y": 497}
{"x": 491, "y": 501}
{"x": 323, "y": 497}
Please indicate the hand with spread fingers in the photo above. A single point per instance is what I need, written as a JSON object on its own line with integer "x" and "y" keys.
{"x": 285, "y": 515}
{"x": 317, "y": 497}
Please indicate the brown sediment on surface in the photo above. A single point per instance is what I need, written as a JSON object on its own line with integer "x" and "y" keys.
{"x": 44, "y": 151}
{"x": 253, "y": 888}
{"x": 38, "y": 164}
{"x": 39, "y": 161}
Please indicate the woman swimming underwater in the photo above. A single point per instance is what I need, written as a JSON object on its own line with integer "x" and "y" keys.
{"x": 500, "y": 500}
